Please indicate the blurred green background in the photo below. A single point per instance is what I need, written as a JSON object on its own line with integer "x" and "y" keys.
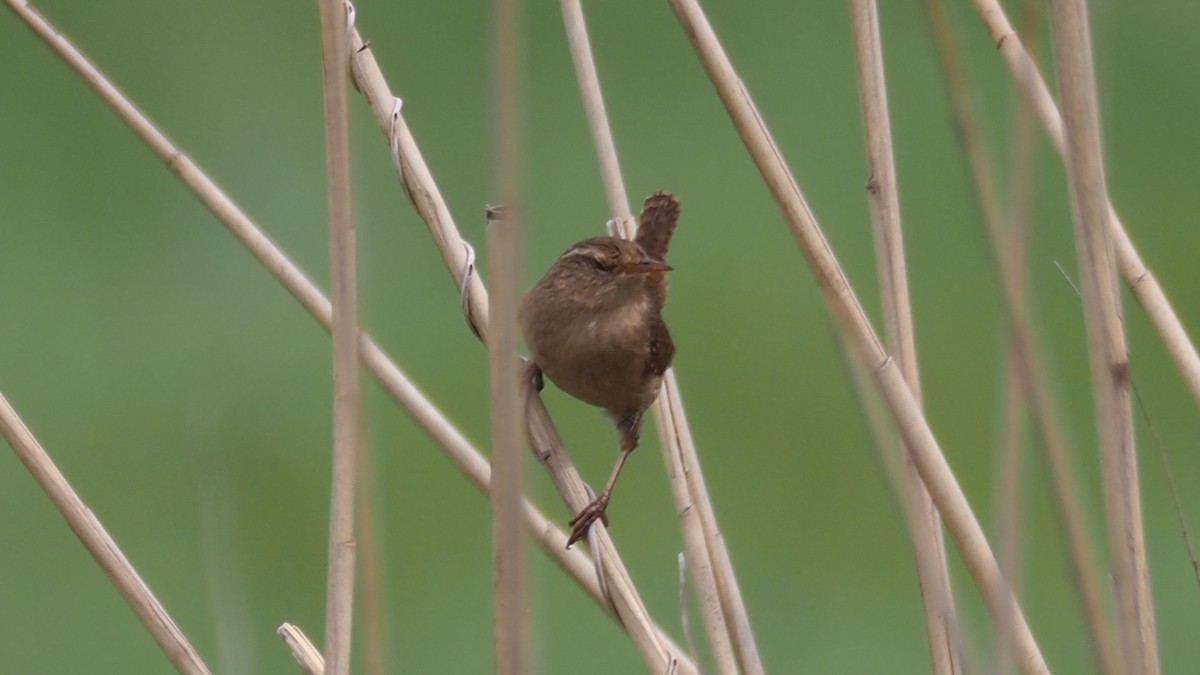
{"x": 186, "y": 395}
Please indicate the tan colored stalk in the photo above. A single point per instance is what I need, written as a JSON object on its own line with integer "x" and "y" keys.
{"x": 96, "y": 539}
{"x": 347, "y": 411}
{"x": 1009, "y": 478}
{"x": 368, "y": 566}
{"x": 1010, "y": 470}
{"x": 1007, "y": 496}
{"x": 852, "y": 322}
{"x": 879, "y": 423}
{"x": 1106, "y": 336}
{"x": 508, "y": 559}
{"x": 393, "y": 380}
{"x": 924, "y": 525}
{"x": 593, "y": 107}
{"x": 1140, "y": 280}
{"x": 1028, "y": 357}
{"x": 307, "y": 657}
{"x": 703, "y": 546}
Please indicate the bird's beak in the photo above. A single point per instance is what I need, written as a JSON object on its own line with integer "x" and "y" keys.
{"x": 646, "y": 266}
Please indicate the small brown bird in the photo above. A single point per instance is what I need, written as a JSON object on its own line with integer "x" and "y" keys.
{"x": 594, "y": 326}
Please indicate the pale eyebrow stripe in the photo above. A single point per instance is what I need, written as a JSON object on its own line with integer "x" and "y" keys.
{"x": 587, "y": 252}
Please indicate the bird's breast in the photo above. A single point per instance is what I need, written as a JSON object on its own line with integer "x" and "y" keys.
{"x": 599, "y": 357}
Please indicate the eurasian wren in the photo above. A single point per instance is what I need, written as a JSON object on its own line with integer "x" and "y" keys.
{"x": 594, "y": 326}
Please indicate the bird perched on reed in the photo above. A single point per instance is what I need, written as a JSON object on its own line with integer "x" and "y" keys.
{"x": 594, "y": 326}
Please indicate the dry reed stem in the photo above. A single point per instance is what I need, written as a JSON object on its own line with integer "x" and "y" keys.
{"x": 368, "y": 566}
{"x": 1008, "y": 482}
{"x": 422, "y": 191}
{"x": 96, "y": 539}
{"x": 1010, "y": 472}
{"x": 1140, "y": 280}
{"x": 393, "y": 380}
{"x": 347, "y": 409}
{"x": 726, "y": 620}
{"x": 508, "y": 559}
{"x": 307, "y": 657}
{"x": 1106, "y": 337}
{"x": 851, "y": 320}
{"x": 925, "y": 531}
{"x": 1027, "y": 355}
{"x": 597, "y": 117}
{"x": 879, "y": 423}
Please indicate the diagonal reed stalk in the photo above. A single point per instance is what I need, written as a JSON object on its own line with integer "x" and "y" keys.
{"x": 1108, "y": 353}
{"x": 508, "y": 559}
{"x": 851, "y": 320}
{"x": 96, "y": 539}
{"x": 722, "y": 609}
{"x": 307, "y": 657}
{"x": 1141, "y": 281}
{"x": 619, "y": 599}
{"x": 924, "y": 525}
{"x": 1027, "y": 355}
{"x": 347, "y": 408}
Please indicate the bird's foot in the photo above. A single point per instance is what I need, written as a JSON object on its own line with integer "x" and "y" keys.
{"x": 588, "y": 515}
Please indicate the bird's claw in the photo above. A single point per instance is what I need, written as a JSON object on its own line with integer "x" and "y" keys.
{"x": 588, "y": 515}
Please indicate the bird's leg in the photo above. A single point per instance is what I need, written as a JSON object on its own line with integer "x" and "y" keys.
{"x": 533, "y": 375}
{"x": 630, "y": 430}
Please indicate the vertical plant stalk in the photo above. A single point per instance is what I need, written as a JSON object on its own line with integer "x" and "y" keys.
{"x": 620, "y": 600}
{"x": 1010, "y": 465}
{"x": 369, "y": 563}
{"x": 1028, "y": 357}
{"x": 99, "y": 544}
{"x": 1140, "y": 280}
{"x": 924, "y": 525}
{"x": 1106, "y": 337}
{"x": 851, "y": 320}
{"x": 508, "y": 559}
{"x": 339, "y": 598}
{"x": 597, "y": 116}
{"x": 723, "y": 611}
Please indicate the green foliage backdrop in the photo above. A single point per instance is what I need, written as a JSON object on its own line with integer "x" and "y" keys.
{"x": 186, "y": 395}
